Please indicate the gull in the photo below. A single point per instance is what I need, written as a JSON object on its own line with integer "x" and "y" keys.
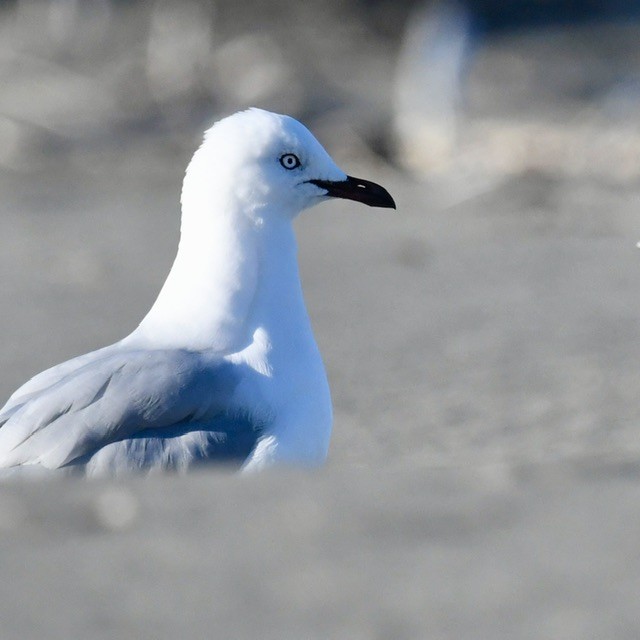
{"x": 224, "y": 367}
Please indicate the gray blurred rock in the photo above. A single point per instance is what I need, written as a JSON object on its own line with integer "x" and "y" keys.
{"x": 510, "y": 552}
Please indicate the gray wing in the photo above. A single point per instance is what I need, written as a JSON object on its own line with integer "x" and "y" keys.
{"x": 133, "y": 409}
{"x": 52, "y": 375}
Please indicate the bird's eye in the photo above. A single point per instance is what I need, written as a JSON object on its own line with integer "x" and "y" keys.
{"x": 290, "y": 161}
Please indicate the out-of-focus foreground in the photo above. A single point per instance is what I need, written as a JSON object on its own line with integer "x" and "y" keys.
{"x": 481, "y": 342}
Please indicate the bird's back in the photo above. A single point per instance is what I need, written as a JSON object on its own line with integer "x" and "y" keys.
{"x": 120, "y": 410}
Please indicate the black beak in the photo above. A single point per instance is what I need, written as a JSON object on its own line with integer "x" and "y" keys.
{"x": 359, "y": 190}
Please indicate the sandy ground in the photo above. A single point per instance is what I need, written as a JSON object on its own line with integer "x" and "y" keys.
{"x": 483, "y": 480}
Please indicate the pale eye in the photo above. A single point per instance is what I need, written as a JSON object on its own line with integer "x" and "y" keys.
{"x": 290, "y": 161}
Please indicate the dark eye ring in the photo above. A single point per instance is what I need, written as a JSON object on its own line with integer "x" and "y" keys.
{"x": 290, "y": 161}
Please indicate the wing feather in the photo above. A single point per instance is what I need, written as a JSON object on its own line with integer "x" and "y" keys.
{"x": 108, "y": 398}
{"x": 50, "y": 376}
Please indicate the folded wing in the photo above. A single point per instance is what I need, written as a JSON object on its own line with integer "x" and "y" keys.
{"x": 140, "y": 405}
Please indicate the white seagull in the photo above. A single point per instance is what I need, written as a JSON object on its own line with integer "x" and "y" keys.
{"x": 224, "y": 367}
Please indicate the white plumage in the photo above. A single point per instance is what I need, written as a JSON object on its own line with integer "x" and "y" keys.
{"x": 224, "y": 367}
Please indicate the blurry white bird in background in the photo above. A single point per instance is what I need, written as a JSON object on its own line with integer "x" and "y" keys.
{"x": 224, "y": 367}
{"x": 428, "y": 85}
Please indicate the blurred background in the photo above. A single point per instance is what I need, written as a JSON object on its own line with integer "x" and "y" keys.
{"x": 481, "y": 342}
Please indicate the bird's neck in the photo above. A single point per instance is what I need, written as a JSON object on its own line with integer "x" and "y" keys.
{"x": 232, "y": 276}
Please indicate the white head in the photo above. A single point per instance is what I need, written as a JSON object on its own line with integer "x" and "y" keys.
{"x": 254, "y": 171}
{"x": 264, "y": 164}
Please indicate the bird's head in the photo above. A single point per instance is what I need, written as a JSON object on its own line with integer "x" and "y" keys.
{"x": 265, "y": 164}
